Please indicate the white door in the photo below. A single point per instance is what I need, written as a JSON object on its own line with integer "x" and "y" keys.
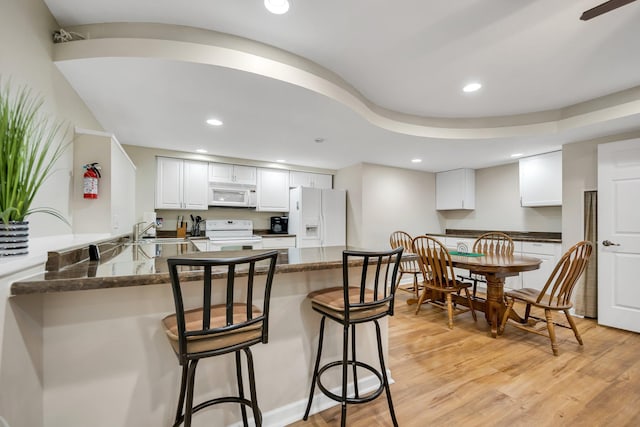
{"x": 273, "y": 190}
{"x": 619, "y": 234}
{"x": 334, "y": 214}
{"x": 310, "y": 215}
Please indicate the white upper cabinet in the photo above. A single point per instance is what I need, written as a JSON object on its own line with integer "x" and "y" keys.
{"x": 456, "y": 189}
{"x": 308, "y": 179}
{"x": 181, "y": 184}
{"x": 232, "y": 174}
{"x": 272, "y": 190}
{"x": 541, "y": 180}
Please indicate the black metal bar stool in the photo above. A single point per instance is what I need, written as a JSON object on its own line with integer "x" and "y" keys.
{"x": 232, "y": 325}
{"x": 367, "y": 301}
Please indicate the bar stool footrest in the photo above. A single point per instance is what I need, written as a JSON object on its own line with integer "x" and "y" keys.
{"x": 358, "y": 399}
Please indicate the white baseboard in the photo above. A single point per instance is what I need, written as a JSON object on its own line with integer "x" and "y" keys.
{"x": 295, "y": 411}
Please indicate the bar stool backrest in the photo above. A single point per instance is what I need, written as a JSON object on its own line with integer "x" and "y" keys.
{"x": 369, "y": 280}
{"x": 229, "y": 282}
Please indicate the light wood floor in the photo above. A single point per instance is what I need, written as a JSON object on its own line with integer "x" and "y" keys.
{"x": 463, "y": 377}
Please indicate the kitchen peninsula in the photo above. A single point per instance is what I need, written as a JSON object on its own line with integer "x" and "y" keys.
{"x": 105, "y": 360}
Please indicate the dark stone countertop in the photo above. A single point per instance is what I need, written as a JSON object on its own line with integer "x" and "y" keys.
{"x": 523, "y": 236}
{"x": 139, "y": 264}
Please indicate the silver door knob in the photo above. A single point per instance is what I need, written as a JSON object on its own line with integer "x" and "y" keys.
{"x": 610, "y": 243}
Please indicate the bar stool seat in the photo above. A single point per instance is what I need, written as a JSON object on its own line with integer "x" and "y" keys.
{"x": 351, "y": 305}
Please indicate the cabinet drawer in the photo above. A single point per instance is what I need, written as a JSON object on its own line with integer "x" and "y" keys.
{"x": 278, "y": 242}
{"x": 539, "y": 248}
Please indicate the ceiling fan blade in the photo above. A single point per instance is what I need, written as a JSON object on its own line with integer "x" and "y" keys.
{"x": 605, "y": 7}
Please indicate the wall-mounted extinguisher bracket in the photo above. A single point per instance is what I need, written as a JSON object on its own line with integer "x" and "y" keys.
{"x": 90, "y": 180}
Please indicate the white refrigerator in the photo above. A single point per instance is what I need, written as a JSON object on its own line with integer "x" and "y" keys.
{"x": 318, "y": 217}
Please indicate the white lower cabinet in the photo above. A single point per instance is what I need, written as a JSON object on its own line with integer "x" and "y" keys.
{"x": 549, "y": 253}
{"x": 282, "y": 242}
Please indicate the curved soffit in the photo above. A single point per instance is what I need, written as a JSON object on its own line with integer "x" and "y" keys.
{"x": 163, "y": 41}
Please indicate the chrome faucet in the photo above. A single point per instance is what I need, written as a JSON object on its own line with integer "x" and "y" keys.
{"x": 137, "y": 232}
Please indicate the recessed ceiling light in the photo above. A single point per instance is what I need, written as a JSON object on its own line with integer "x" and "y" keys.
{"x": 201, "y": 150}
{"x": 281, "y": 161}
{"x": 472, "y": 87}
{"x": 416, "y": 160}
{"x": 214, "y": 122}
{"x": 516, "y": 155}
{"x": 277, "y": 7}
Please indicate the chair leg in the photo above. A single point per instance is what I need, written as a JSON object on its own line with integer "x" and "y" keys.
{"x": 415, "y": 285}
{"x": 552, "y": 332}
{"x": 473, "y": 311}
{"x": 421, "y": 299}
{"x": 573, "y": 326}
{"x": 183, "y": 388}
{"x": 383, "y": 370}
{"x": 345, "y": 359}
{"x": 241, "y": 388}
{"x": 257, "y": 415}
{"x": 191, "y": 378}
{"x": 450, "y": 309}
{"x": 353, "y": 358}
{"x": 315, "y": 370}
{"x": 506, "y": 315}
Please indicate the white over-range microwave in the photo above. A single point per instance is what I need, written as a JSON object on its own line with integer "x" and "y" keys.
{"x": 232, "y": 196}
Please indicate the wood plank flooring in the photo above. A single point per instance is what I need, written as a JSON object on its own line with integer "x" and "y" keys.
{"x": 463, "y": 377}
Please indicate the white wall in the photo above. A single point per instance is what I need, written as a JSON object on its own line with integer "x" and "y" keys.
{"x": 382, "y": 199}
{"x": 25, "y": 58}
{"x": 498, "y": 206}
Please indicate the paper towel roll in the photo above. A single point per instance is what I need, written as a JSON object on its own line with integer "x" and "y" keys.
{"x": 149, "y": 217}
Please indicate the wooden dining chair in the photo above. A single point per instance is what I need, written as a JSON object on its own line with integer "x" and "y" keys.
{"x": 554, "y": 296}
{"x": 439, "y": 279}
{"x": 396, "y": 240}
{"x": 494, "y": 242}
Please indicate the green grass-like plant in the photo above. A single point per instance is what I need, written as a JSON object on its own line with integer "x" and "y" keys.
{"x": 30, "y": 145}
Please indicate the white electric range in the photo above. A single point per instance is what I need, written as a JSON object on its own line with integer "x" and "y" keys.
{"x": 231, "y": 234}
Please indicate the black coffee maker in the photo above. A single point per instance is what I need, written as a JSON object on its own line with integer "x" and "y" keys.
{"x": 279, "y": 225}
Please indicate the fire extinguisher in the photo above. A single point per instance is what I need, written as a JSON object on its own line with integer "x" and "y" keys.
{"x": 90, "y": 180}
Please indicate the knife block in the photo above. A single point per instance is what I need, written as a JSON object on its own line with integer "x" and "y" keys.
{"x": 181, "y": 232}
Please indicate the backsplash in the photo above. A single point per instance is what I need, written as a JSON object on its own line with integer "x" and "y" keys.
{"x": 261, "y": 220}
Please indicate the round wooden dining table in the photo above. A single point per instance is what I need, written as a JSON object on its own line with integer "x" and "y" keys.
{"x": 495, "y": 268}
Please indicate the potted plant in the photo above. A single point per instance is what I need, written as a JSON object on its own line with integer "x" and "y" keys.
{"x": 30, "y": 145}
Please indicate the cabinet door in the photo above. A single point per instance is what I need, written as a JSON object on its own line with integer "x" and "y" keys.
{"x": 308, "y": 179}
{"x": 299, "y": 179}
{"x": 273, "y": 190}
{"x": 455, "y": 189}
{"x": 169, "y": 183}
{"x": 321, "y": 180}
{"x": 244, "y": 175}
{"x": 549, "y": 253}
{"x": 220, "y": 172}
{"x": 541, "y": 180}
{"x": 278, "y": 242}
{"x": 195, "y": 185}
